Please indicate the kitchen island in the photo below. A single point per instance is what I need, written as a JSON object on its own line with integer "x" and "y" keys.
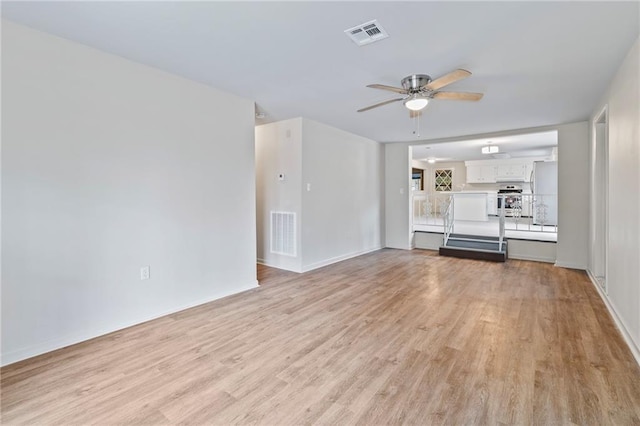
{"x": 470, "y": 205}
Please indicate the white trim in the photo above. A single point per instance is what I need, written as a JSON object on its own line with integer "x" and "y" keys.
{"x": 533, "y": 258}
{"x": 277, "y": 266}
{"x": 602, "y": 115}
{"x": 337, "y": 259}
{"x": 635, "y": 350}
{"x": 59, "y": 343}
{"x": 399, "y": 247}
{"x": 570, "y": 265}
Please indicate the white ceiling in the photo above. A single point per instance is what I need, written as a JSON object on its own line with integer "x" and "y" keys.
{"x": 518, "y": 146}
{"x": 538, "y": 63}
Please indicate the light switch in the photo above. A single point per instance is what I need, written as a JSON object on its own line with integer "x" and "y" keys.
{"x": 308, "y": 187}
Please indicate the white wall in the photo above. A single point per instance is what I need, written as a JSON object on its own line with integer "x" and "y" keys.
{"x": 279, "y": 151}
{"x": 573, "y": 175}
{"x": 341, "y": 215}
{"x": 623, "y": 275}
{"x": 397, "y": 176}
{"x": 343, "y": 210}
{"x": 573, "y": 195}
{"x": 107, "y": 166}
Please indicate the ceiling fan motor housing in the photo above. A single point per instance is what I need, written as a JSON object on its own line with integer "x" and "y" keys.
{"x": 414, "y": 82}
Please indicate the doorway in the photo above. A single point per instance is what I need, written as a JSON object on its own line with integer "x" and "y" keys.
{"x": 600, "y": 199}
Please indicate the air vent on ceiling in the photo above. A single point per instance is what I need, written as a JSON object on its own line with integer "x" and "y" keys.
{"x": 366, "y": 33}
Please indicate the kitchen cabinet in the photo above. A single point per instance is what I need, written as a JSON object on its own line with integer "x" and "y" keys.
{"x": 497, "y": 171}
{"x": 511, "y": 172}
{"x": 481, "y": 173}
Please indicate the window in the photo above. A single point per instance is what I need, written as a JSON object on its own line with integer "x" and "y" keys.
{"x": 417, "y": 176}
{"x": 443, "y": 179}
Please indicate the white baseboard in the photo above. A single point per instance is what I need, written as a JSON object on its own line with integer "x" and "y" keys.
{"x": 62, "y": 342}
{"x": 635, "y": 350}
{"x": 533, "y": 258}
{"x": 570, "y": 265}
{"x": 408, "y": 247}
{"x": 336, "y": 259}
{"x": 277, "y": 266}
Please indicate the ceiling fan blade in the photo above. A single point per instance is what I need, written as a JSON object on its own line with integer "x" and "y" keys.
{"x": 446, "y": 79}
{"x": 391, "y": 88}
{"x": 380, "y": 104}
{"x": 458, "y": 96}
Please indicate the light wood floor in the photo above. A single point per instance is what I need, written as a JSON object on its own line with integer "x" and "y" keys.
{"x": 393, "y": 337}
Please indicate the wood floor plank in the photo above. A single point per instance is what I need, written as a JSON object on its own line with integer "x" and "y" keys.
{"x": 391, "y": 337}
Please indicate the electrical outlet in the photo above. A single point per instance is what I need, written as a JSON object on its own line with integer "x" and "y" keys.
{"x": 145, "y": 272}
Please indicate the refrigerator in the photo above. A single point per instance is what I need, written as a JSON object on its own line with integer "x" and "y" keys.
{"x": 544, "y": 187}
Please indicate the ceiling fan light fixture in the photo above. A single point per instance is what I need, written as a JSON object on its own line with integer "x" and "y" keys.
{"x": 490, "y": 149}
{"x": 416, "y": 103}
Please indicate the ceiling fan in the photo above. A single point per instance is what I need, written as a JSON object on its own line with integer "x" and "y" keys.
{"x": 419, "y": 89}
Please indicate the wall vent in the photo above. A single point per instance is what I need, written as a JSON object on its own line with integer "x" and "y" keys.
{"x": 283, "y": 233}
{"x": 366, "y": 33}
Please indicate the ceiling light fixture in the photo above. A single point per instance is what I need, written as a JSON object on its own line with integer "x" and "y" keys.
{"x": 431, "y": 160}
{"x": 491, "y": 149}
{"x": 416, "y": 102}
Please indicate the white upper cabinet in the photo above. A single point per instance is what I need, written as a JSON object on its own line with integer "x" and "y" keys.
{"x": 492, "y": 171}
{"x": 481, "y": 174}
{"x": 511, "y": 172}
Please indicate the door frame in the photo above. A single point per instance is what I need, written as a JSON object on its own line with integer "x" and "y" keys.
{"x": 599, "y": 217}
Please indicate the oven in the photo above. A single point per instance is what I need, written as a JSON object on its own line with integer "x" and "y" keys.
{"x": 511, "y": 197}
